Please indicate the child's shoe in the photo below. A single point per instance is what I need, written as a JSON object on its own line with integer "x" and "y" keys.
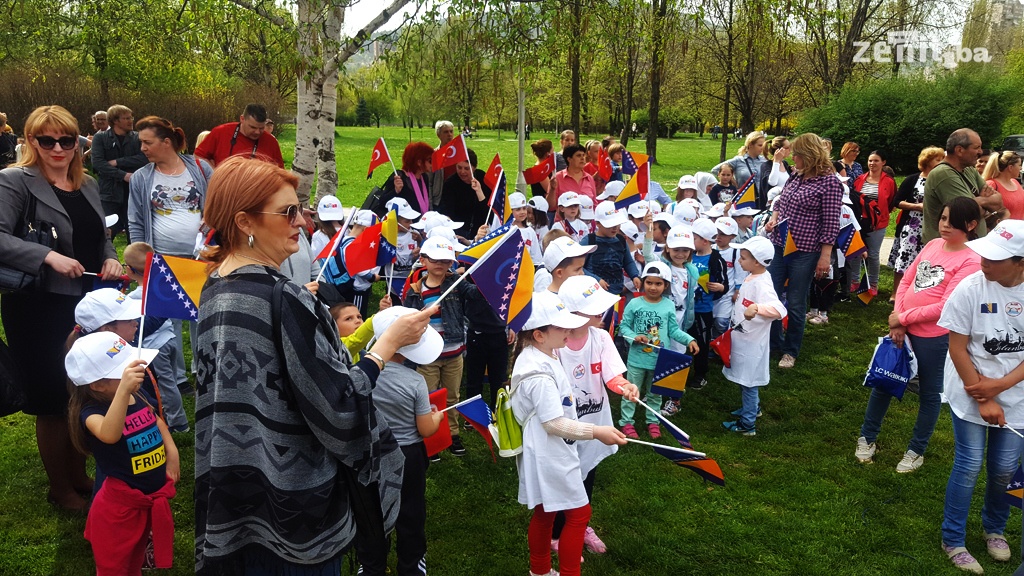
{"x": 630, "y": 432}
{"x": 820, "y": 320}
{"x": 963, "y": 559}
{"x": 737, "y": 427}
{"x": 654, "y": 430}
{"x": 865, "y": 451}
{"x": 593, "y": 543}
{"x": 670, "y": 408}
{"x": 996, "y": 544}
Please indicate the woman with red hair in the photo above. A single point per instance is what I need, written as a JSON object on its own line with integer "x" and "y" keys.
{"x": 412, "y": 182}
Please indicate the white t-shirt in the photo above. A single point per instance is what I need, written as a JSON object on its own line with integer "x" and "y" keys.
{"x": 680, "y": 284}
{"x": 318, "y": 242}
{"x": 549, "y": 466}
{"x": 541, "y": 279}
{"x": 579, "y": 229}
{"x": 533, "y": 243}
{"x": 749, "y": 358}
{"x": 992, "y": 316}
{"x": 588, "y": 370}
{"x": 722, "y": 307}
{"x": 176, "y": 213}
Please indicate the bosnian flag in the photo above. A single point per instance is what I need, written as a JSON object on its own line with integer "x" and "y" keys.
{"x": 171, "y": 286}
{"x": 632, "y": 161}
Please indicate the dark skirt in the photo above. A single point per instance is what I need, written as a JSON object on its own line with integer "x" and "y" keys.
{"x": 37, "y": 325}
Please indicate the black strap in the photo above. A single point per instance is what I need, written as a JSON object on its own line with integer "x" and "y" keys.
{"x": 234, "y": 138}
{"x": 963, "y": 178}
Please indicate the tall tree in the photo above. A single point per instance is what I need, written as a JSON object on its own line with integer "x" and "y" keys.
{"x": 660, "y": 12}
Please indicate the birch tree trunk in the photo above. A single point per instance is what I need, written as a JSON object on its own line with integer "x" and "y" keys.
{"x": 309, "y": 102}
{"x": 326, "y": 160}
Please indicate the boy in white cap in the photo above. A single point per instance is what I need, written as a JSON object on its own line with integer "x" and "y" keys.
{"x": 437, "y": 256}
{"x": 712, "y": 285}
{"x": 408, "y": 245}
{"x": 757, "y": 307}
{"x": 646, "y": 323}
{"x": 587, "y": 212}
{"x": 722, "y": 312}
{"x": 401, "y": 395}
{"x": 353, "y": 289}
{"x": 744, "y": 218}
{"x": 613, "y": 257}
{"x": 330, "y": 215}
{"x": 563, "y": 258}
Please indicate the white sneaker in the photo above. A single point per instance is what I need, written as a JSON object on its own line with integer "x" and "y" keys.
{"x": 865, "y": 452}
{"x": 911, "y": 461}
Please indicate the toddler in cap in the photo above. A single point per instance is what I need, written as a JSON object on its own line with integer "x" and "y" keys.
{"x": 567, "y": 216}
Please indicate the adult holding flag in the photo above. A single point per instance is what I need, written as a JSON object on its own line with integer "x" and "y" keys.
{"x": 810, "y": 204}
{"x": 266, "y": 346}
{"x": 540, "y": 174}
{"x": 445, "y": 131}
{"x": 465, "y": 197}
{"x": 574, "y": 178}
{"x": 50, "y": 178}
{"x": 413, "y": 182}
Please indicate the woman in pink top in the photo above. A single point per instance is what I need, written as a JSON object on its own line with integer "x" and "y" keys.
{"x": 1001, "y": 173}
{"x": 929, "y": 281}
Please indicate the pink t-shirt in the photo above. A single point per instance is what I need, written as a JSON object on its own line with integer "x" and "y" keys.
{"x": 928, "y": 283}
{"x": 585, "y": 187}
{"x": 1013, "y": 198}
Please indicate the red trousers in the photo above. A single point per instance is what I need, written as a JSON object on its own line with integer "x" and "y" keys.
{"x": 119, "y": 521}
{"x": 570, "y": 545}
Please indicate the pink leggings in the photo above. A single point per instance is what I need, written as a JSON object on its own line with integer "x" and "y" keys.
{"x": 570, "y": 545}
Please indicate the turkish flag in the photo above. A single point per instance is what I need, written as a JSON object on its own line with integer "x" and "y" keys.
{"x": 441, "y": 439}
{"x": 331, "y": 246}
{"x": 361, "y": 253}
{"x": 535, "y": 174}
{"x": 379, "y": 156}
{"x": 604, "y": 165}
{"x": 493, "y": 173}
{"x": 450, "y": 154}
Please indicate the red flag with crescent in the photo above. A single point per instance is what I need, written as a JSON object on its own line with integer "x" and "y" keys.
{"x": 450, "y": 154}
{"x": 379, "y": 156}
{"x": 604, "y": 165}
{"x": 493, "y": 173}
{"x": 535, "y": 174}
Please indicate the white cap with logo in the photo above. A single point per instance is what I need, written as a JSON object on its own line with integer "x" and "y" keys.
{"x": 562, "y": 248}
{"x": 679, "y": 237}
{"x": 586, "y": 208}
{"x": 658, "y": 270}
{"x": 583, "y": 294}
{"x": 1004, "y": 241}
{"x": 611, "y": 190}
{"x": 687, "y": 182}
{"x": 438, "y": 248}
{"x": 365, "y": 218}
{"x": 705, "y": 229}
{"x": 447, "y": 234}
{"x": 402, "y": 207}
{"x": 104, "y": 306}
{"x": 516, "y": 200}
{"x": 567, "y": 199}
{"x": 759, "y": 247}
{"x": 727, "y": 226}
{"x": 101, "y": 355}
{"x": 423, "y": 352}
{"x": 329, "y": 209}
{"x": 548, "y": 310}
{"x": 609, "y": 216}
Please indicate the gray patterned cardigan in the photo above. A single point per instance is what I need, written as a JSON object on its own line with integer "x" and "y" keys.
{"x": 270, "y": 451}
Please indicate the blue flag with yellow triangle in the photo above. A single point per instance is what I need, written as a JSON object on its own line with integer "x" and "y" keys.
{"x": 171, "y": 286}
{"x": 504, "y": 275}
{"x": 388, "y": 250}
{"x": 789, "y": 245}
{"x": 1015, "y": 489}
{"x": 670, "y": 373}
{"x": 746, "y": 196}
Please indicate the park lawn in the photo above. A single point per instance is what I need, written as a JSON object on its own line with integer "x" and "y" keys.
{"x": 795, "y": 500}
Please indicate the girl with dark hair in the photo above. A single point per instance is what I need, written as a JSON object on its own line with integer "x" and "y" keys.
{"x": 928, "y": 283}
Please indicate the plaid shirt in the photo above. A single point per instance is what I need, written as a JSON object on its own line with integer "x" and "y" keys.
{"x": 812, "y": 207}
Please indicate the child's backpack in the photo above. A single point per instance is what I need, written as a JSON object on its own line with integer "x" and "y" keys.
{"x": 506, "y": 430}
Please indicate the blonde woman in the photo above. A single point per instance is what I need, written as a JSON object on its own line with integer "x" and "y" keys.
{"x": 748, "y": 159}
{"x": 1001, "y": 172}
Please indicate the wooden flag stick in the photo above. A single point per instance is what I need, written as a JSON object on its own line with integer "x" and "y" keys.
{"x": 477, "y": 397}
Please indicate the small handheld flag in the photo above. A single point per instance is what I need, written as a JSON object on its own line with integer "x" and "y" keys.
{"x": 171, "y": 286}
{"x": 851, "y": 242}
{"x": 328, "y": 250}
{"x": 379, "y": 157}
{"x": 698, "y": 462}
{"x": 863, "y": 291}
{"x": 636, "y": 189}
{"x": 535, "y": 174}
{"x": 503, "y": 272}
{"x": 632, "y": 161}
{"x": 746, "y": 196}
{"x": 478, "y": 414}
{"x": 500, "y": 206}
{"x": 493, "y": 172}
{"x": 1015, "y": 489}
{"x": 604, "y": 164}
{"x": 670, "y": 373}
{"x": 682, "y": 437}
{"x": 438, "y": 441}
{"x": 787, "y": 238}
{"x": 362, "y": 253}
{"x": 388, "y": 251}
{"x": 450, "y": 154}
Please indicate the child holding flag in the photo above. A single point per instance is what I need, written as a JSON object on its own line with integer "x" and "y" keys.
{"x": 520, "y": 212}
{"x": 550, "y": 478}
{"x": 757, "y": 306}
{"x": 712, "y": 284}
{"x": 408, "y": 247}
{"x": 591, "y": 362}
{"x": 645, "y": 322}
{"x": 722, "y": 310}
{"x": 401, "y": 395}
{"x": 567, "y": 217}
{"x": 679, "y": 250}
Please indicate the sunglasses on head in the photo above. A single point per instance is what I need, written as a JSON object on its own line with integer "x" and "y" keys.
{"x": 48, "y": 142}
{"x": 292, "y": 212}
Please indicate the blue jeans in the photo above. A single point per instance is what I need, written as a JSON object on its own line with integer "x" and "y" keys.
{"x": 751, "y": 400}
{"x": 798, "y": 268}
{"x": 1003, "y": 451}
{"x": 931, "y": 358}
{"x": 873, "y": 241}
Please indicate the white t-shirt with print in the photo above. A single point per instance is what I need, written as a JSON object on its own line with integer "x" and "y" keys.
{"x": 992, "y": 316}
{"x": 576, "y": 230}
{"x": 722, "y": 307}
{"x": 588, "y": 369}
{"x": 748, "y": 364}
{"x": 177, "y": 215}
{"x": 533, "y": 243}
{"x": 549, "y": 466}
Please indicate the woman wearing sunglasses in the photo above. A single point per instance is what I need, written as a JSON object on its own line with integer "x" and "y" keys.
{"x": 38, "y": 319}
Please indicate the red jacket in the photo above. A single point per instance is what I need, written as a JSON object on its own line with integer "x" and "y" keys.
{"x": 874, "y": 215}
{"x": 119, "y": 522}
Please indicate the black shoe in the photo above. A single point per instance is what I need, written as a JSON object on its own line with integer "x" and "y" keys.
{"x": 457, "y": 448}
{"x": 435, "y": 458}
{"x": 467, "y": 426}
{"x": 698, "y": 385}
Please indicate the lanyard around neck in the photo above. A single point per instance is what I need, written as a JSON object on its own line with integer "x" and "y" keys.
{"x": 234, "y": 138}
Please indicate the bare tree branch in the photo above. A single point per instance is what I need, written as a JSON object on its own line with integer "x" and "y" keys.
{"x": 356, "y": 42}
{"x": 260, "y": 9}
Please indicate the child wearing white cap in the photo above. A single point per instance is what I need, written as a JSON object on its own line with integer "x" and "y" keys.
{"x": 744, "y": 218}
{"x": 354, "y": 289}
{"x": 722, "y": 310}
{"x": 520, "y": 213}
{"x": 678, "y": 253}
{"x": 563, "y": 258}
{"x": 538, "y": 218}
{"x": 592, "y": 363}
{"x": 587, "y": 212}
{"x": 408, "y": 249}
{"x": 329, "y": 216}
{"x": 757, "y": 307}
{"x": 550, "y": 478}
{"x": 567, "y": 217}
{"x": 613, "y": 258}
{"x": 712, "y": 285}
{"x": 646, "y": 323}
{"x": 133, "y": 449}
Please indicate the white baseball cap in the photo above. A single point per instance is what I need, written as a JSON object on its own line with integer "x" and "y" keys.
{"x": 655, "y": 206}
{"x": 569, "y": 199}
{"x": 101, "y": 355}
{"x": 609, "y": 216}
{"x": 638, "y": 209}
{"x": 705, "y": 229}
{"x": 538, "y": 203}
{"x": 1004, "y": 241}
{"x": 665, "y": 217}
{"x": 438, "y": 248}
{"x": 631, "y": 232}
{"x": 774, "y": 192}
{"x": 402, "y": 207}
{"x": 329, "y": 209}
{"x": 561, "y": 248}
{"x": 680, "y": 236}
{"x": 104, "y": 306}
{"x": 611, "y": 190}
{"x": 432, "y": 219}
{"x": 448, "y": 234}
{"x": 759, "y": 247}
{"x": 516, "y": 200}
{"x": 745, "y": 211}
{"x": 716, "y": 211}
{"x": 684, "y": 213}
{"x": 697, "y": 206}
{"x": 109, "y": 221}
{"x": 365, "y": 218}
{"x": 687, "y": 182}
{"x": 586, "y": 208}
{"x": 583, "y": 294}
{"x": 423, "y": 352}
{"x": 659, "y": 270}
{"x": 548, "y": 310}
{"x": 727, "y": 226}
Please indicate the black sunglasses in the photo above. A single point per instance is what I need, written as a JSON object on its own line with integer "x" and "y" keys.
{"x": 292, "y": 212}
{"x": 48, "y": 142}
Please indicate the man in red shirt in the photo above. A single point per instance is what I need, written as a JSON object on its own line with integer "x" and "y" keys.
{"x": 245, "y": 137}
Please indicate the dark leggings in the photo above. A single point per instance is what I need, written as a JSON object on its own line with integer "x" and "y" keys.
{"x": 703, "y": 326}
{"x": 486, "y": 351}
{"x": 588, "y": 485}
{"x": 823, "y": 294}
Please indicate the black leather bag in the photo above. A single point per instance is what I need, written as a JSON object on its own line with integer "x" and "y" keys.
{"x": 29, "y": 230}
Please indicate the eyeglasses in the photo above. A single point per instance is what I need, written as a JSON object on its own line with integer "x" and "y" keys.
{"x": 48, "y": 142}
{"x": 445, "y": 262}
{"x": 292, "y": 212}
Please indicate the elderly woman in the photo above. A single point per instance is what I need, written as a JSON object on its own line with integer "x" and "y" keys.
{"x": 910, "y": 200}
{"x": 848, "y": 154}
{"x": 747, "y": 161}
{"x": 872, "y": 194}
{"x": 810, "y": 204}
{"x": 37, "y": 321}
{"x": 983, "y": 376}
{"x": 1002, "y": 172}
{"x": 291, "y": 454}
{"x": 412, "y": 182}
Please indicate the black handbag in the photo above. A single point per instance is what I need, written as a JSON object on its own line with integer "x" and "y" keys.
{"x": 29, "y": 230}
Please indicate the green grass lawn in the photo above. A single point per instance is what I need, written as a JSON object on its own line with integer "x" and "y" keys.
{"x": 795, "y": 500}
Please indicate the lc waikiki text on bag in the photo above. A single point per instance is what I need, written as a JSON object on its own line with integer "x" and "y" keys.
{"x": 891, "y": 368}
